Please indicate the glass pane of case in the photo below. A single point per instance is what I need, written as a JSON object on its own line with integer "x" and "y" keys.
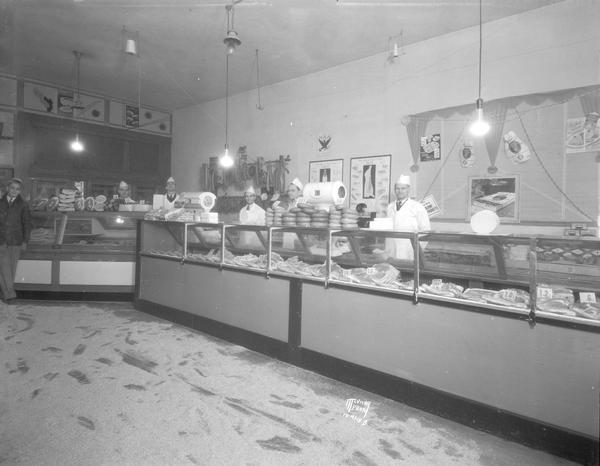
{"x": 568, "y": 278}
{"x": 44, "y": 229}
{"x": 300, "y": 251}
{"x": 246, "y": 246}
{"x": 488, "y": 270}
{"x": 205, "y": 242}
{"x": 373, "y": 259}
{"x": 164, "y": 239}
{"x": 100, "y": 231}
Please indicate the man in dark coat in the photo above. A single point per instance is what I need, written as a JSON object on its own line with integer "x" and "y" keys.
{"x": 15, "y": 228}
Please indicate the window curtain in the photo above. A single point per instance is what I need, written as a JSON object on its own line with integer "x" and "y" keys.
{"x": 495, "y": 113}
{"x": 415, "y": 128}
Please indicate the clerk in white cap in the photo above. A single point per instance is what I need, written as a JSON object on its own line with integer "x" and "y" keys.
{"x": 251, "y": 213}
{"x": 408, "y": 215}
{"x": 170, "y": 194}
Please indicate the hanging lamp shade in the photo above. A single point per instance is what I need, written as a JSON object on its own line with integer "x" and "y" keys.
{"x": 232, "y": 41}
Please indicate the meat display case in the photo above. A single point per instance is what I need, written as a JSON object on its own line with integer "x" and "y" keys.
{"x": 466, "y": 307}
{"x": 80, "y": 251}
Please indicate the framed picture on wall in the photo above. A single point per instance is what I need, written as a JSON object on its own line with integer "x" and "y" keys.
{"x": 370, "y": 182}
{"x": 500, "y": 194}
{"x": 323, "y": 171}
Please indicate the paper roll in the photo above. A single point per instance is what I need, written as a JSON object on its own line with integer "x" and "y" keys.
{"x": 325, "y": 194}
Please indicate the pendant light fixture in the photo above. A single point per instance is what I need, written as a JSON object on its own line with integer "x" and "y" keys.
{"x": 480, "y": 127}
{"x": 226, "y": 161}
{"x": 232, "y": 39}
{"x": 76, "y": 145}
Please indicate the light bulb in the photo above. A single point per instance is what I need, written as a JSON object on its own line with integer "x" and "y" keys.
{"x": 76, "y": 145}
{"x": 226, "y": 160}
{"x": 479, "y": 127}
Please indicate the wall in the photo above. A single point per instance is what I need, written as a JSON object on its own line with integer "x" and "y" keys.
{"x": 361, "y": 104}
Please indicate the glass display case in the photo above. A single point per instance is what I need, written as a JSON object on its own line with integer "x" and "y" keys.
{"x": 568, "y": 278}
{"x": 373, "y": 259}
{"x": 299, "y": 252}
{"x": 204, "y": 243}
{"x": 491, "y": 271}
{"x": 44, "y": 229}
{"x": 246, "y": 246}
{"x": 549, "y": 277}
{"x": 164, "y": 239}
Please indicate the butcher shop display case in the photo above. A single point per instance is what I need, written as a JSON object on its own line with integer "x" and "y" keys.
{"x": 246, "y": 247}
{"x": 299, "y": 252}
{"x": 204, "y": 243}
{"x": 373, "y": 259}
{"x": 80, "y": 251}
{"x": 487, "y": 271}
{"x": 164, "y": 239}
{"x": 568, "y": 278}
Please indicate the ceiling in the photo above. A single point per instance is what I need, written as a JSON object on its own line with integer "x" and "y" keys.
{"x": 182, "y": 56}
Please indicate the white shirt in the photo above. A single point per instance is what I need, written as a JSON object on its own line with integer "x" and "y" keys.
{"x": 169, "y": 205}
{"x": 411, "y": 217}
{"x": 252, "y": 215}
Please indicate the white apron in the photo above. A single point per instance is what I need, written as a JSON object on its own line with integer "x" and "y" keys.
{"x": 411, "y": 217}
{"x": 253, "y": 216}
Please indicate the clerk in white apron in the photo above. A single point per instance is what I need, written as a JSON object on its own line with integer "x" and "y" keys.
{"x": 408, "y": 215}
{"x": 251, "y": 213}
{"x": 171, "y": 194}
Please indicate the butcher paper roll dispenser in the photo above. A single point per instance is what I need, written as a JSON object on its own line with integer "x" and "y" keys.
{"x": 323, "y": 195}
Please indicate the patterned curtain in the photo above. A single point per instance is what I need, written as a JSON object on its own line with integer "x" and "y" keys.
{"x": 415, "y": 128}
{"x": 495, "y": 113}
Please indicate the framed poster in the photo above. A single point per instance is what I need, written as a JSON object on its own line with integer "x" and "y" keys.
{"x": 370, "y": 182}
{"x": 132, "y": 116}
{"x": 7, "y": 132}
{"x": 500, "y": 194}
{"x": 93, "y": 108}
{"x": 40, "y": 98}
{"x": 431, "y": 148}
{"x": 325, "y": 171}
{"x": 583, "y": 134}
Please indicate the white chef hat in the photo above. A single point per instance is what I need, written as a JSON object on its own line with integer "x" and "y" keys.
{"x": 123, "y": 185}
{"x": 296, "y": 182}
{"x": 249, "y": 190}
{"x": 404, "y": 179}
{"x": 171, "y": 180}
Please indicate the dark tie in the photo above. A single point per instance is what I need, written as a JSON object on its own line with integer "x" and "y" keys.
{"x": 10, "y": 200}
{"x": 399, "y": 204}
{"x": 248, "y": 208}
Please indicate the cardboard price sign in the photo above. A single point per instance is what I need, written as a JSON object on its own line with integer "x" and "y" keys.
{"x": 544, "y": 293}
{"x": 587, "y": 297}
{"x": 436, "y": 283}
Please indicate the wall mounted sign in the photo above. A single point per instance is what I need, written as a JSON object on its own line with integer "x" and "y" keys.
{"x": 370, "y": 182}
{"x": 40, "y": 98}
{"x": 431, "y": 148}
{"x": 583, "y": 134}
{"x": 325, "y": 171}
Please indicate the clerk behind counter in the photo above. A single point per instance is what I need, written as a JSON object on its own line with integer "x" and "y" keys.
{"x": 294, "y": 194}
{"x": 122, "y": 197}
{"x": 251, "y": 213}
{"x": 408, "y": 215}
{"x": 171, "y": 194}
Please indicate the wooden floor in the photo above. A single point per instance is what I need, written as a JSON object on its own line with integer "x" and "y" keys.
{"x": 101, "y": 383}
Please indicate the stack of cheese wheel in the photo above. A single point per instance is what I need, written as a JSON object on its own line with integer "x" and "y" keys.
{"x": 288, "y": 219}
{"x": 100, "y": 203}
{"x": 278, "y": 216}
{"x": 302, "y": 218}
{"x": 349, "y": 218}
{"x": 66, "y": 200}
{"x": 320, "y": 219}
{"x": 269, "y": 217}
{"x": 335, "y": 218}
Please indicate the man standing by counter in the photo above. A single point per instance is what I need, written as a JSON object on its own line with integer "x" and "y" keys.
{"x": 408, "y": 215}
{"x": 15, "y": 228}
